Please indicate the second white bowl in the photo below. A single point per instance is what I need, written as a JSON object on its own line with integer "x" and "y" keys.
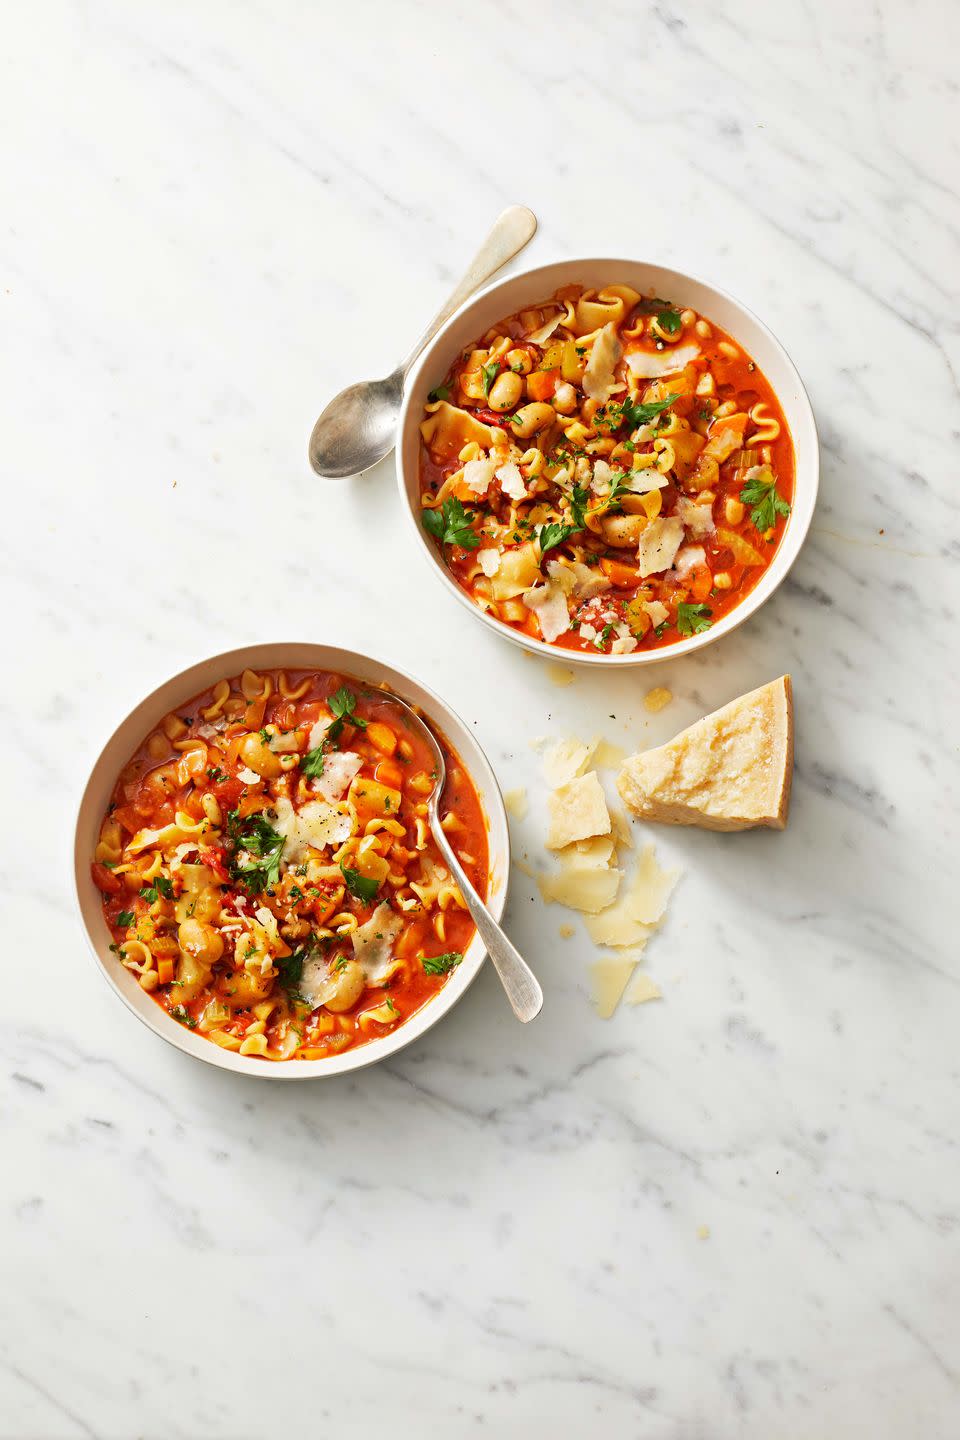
{"x": 533, "y": 287}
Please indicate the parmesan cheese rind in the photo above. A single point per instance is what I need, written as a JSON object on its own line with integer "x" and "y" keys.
{"x": 730, "y": 771}
{"x": 578, "y": 810}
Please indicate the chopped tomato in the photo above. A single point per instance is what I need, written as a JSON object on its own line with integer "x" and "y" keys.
{"x": 105, "y": 880}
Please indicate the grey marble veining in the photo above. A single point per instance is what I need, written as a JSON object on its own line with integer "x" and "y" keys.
{"x": 214, "y": 217}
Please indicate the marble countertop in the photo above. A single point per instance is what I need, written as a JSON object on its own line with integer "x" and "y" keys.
{"x": 730, "y": 1214}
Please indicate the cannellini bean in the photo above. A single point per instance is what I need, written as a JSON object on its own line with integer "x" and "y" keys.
{"x": 519, "y": 361}
{"x": 623, "y": 530}
{"x": 733, "y": 510}
{"x": 531, "y": 418}
{"x": 565, "y": 398}
{"x": 505, "y": 391}
{"x": 722, "y": 580}
{"x": 257, "y": 755}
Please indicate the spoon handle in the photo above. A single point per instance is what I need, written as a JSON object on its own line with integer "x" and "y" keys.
{"x": 515, "y": 228}
{"x": 522, "y": 987}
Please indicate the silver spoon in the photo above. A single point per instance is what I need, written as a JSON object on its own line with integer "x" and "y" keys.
{"x": 522, "y": 987}
{"x": 359, "y": 426}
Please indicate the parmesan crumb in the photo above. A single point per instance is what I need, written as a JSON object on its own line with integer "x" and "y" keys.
{"x": 658, "y": 699}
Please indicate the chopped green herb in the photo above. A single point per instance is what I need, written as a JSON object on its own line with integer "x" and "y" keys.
{"x": 552, "y": 535}
{"x": 604, "y": 636}
{"x": 181, "y": 1013}
{"x": 692, "y": 619}
{"x": 669, "y": 320}
{"x": 290, "y": 967}
{"x": 440, "y": 392}
{"x": 125, "y": 918}
{"x": 215, "y": 774}
{"x": 160, "y": 887}
{"x": 342, "y": 703}
{"x": 451, "y": 524}
{"x": 765, "y": 500}
{"x": 364, "y": 887}
{"x": 489, "y": 375}
{"x": 579, "y": 496}
{"x": 312, "y": 762}
{"x": 441, "y": 964}
{"x": 255, "y": 838}
{"x": 636, "y": 412}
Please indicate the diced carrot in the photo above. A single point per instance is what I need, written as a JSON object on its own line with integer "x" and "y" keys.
{"x": 165, "y": 971}
{"x": 389, "y": 773}
{"x": 621, "y": 575}
{"x": 382, "y": 738}
{"x": 701, "y": 582}
{"x": 541, "y": 384}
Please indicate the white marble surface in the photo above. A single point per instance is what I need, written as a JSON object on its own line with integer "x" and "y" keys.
{"x": 215, "y": 215}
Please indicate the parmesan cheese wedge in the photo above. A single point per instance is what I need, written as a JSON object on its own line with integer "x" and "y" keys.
{"x": 729, "y": 771}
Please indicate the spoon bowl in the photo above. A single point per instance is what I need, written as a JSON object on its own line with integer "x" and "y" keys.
{"x": 357, "y": 428}
{"x": 518, "y": 980}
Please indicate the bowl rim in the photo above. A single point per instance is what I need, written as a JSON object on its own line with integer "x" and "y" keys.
{"x": 800, "y": 519}
{"x": 188, "y": 681}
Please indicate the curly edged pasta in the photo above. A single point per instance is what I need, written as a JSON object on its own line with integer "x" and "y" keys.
{"x": 268, "y": 873}
{"x": 606, "y": 471}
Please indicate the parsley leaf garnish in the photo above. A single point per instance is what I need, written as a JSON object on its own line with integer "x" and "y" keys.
{"x": 342, "y": 703}
{"x": 489, "y": 375}
{"x": 440, "y": 392}
{"x": 160, "y": 887}
{"x": 669, "y": 320}
{"x": 579, "y": 496}
{"x": 603, "y": 637}
{"x": 290, "y": 967}
{"x": 312, "y": 762}
{"x": 638, "y": 412}
{"x": 125, "y": 918}
{"x": 450, "y": 525}
{"x": 215, "y": 774}
{"x": 364, "y": 887}
{"x": 441, "y": 964}
{"x": 553, "y": 535}
{"x": 263, "y": 846}
{"x": 765, "y": 500}
{"x": 692, "y": 619}
{"x": 181, "y": 1013}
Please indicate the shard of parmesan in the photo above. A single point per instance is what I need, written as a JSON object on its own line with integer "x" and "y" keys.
{"x": 549, "y": 604}
{"x": 317, "y": 824}
{"x": 598, "y": 377}
{"x": 659, "y": 543}
{"x": 650, "y": 365}
{"x": 578, "y": 811}
{"x": 373, "y": 943}
{"x": 339, "y": 768}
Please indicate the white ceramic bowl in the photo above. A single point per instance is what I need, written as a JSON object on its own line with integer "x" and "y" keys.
{"x": 532, "y": 287}
{"x": 172, "y": 694}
